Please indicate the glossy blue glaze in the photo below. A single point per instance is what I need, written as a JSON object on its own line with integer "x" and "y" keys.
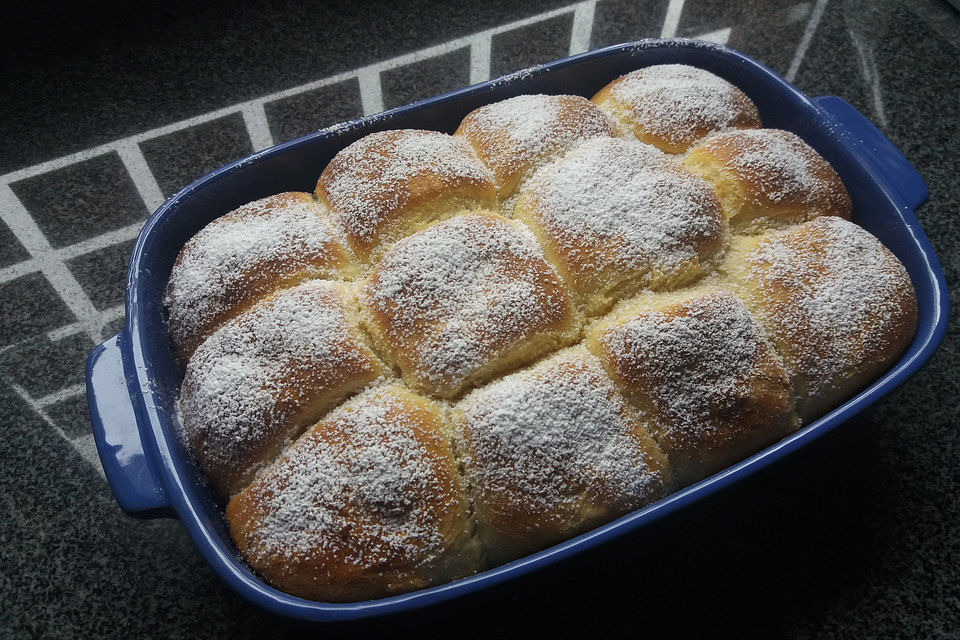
{"x": 130, "y": 473}
{"x": 132, "y": 379}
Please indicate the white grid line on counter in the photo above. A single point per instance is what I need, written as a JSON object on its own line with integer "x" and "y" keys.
{"x": 143, "y": 179}
{"x": 48, "y": 262}
{"x": 672, "y": 19}
{"x": 805, "y": 41}
{"x": 82, "y": 444}
{"x": 52, "y": 262}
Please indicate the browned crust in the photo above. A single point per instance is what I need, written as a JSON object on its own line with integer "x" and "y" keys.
{"x": 333, "y": 574}
{"x": 388, "y": 206}
{"x": 643, "y": 123}
{"x": 510, "y": 161}
{"x": 757, "y": 410}
{"x": 754, "y": 178}
{"x": 240, "y": 290}
{"x": 305, "y": 390}
{"x": 511, "y": 527}
{"x": 807, "y": 344}
{"x": 592, "y": 266}
{"x": 401, "y": 342}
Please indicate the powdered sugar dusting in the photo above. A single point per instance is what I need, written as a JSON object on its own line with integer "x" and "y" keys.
{"x": 844, "y": 290}
{"x": 778, "y": 159}
{"x": 460, "y": 291}
{"x": 693, "y": 362}
{"x": 362, "y": 487}
{"x": 514, "y": 133}
{"x": 543, "y": 438}
{"x": 621, "y": 204}
{"x": 246, "y": 382}
{"x": 241, "y": 256}
{"x": 369, "y": 182}
{"x": 784, "y": 168}
{"x": 679, "y": 104}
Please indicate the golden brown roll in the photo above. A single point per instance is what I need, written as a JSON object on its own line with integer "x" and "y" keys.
{"x": 367, "y": 504}
{"x": 769, "y": 176}
{"x": 839, "y": 307}
{"x": 243, "y": 256}
{"x": 516, "y": 136}
{"x": 465, "y": 299}
{"x": 671, "y": 106}
{"x": 388, "y": 185}
{"x": 553, "y": 451}
{"x": 710, "y": 387}
{"x": 267, "y": 374}
{"x": 616, "y": 215}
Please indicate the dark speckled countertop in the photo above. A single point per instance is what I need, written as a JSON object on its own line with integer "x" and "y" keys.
{"x": 110, "y": 108}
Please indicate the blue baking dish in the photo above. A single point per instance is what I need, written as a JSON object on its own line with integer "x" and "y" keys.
{"x": 133, "y": 378}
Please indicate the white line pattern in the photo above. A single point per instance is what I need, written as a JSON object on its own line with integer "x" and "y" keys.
{"x": 84, "y": 444}
{"x": 106, "y": 316}
{"x": 132, "y": 157}
{"x": 582, "y": 28}
{"x": 480, "y": 59}
{"x": 25, "y": 228}
{"x": 63, "y": 394}
{"x": 371, "y": 91}
{"x": 672, "y": 20}
{"x": 255, "y": 117}
{"x": 807, "y": 38}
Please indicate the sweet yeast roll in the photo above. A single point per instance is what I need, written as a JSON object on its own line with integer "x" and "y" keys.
{"x": 267, "y": 374}
{"x": 388, "y": 185}
{"x": 838, "y": 305}
{"x": 671, "y": 106}
{"x": 368, "y": 503}
{"x": 769, "y": 176}
{"x": 616, "y": 216}
{"x": 553, "y": 451}
{"x": 710, "y": 387}
{"x": 465, "y": 299}
{"x": 516, "y": 136}
{"x": 241, "y": 257}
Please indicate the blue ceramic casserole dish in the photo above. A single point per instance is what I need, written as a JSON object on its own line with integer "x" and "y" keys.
{"x": 133, "y": 378}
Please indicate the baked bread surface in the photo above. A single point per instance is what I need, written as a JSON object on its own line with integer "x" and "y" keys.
{"x": 616, "y": 216}
{"x": 465, "y": 299}
{"x": 389, "y": 184}
{"x": 837, "y": 304}
{"x": 515, "y": 137}
{"x": 367, "y": 503}
{"x": 711, "y": 387}
{"x": 672, "y": 106}
{"x": 769, "y": 177}
{"x": 553, "y": 451}
{"x": 247, "y": 254}
{"x": 268, "y": 374}
{"x": 465, "y": 348}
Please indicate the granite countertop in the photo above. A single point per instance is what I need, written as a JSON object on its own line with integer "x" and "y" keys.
{"x": 109, "y": 109}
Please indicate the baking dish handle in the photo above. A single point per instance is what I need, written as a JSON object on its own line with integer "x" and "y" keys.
{"x": 867, "y": 142}
{"x": 131, "y": 474}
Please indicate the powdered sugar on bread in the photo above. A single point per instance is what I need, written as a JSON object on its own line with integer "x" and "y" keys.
{"x": 549, "y": 437}
{"x": 451, "y": 298}
{"x": 238, "y": 258}
{"x": 674, "y": 104}
{"x": 364, "y": 486}
{"x": 370, "y": 183}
